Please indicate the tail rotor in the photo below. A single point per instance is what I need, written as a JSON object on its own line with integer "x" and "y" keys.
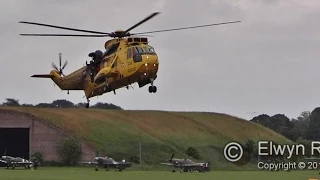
{"x": 60, "y": 69}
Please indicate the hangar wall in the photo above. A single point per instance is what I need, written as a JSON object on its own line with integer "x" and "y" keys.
{"x": 44, "y": 136}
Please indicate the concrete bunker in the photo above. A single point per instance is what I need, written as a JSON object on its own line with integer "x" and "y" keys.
{"x": 22, "y": 134}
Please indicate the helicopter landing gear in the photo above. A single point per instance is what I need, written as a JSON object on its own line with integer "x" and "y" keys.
{"x": 88, "y": 103}
{"x": 152, "y": 88}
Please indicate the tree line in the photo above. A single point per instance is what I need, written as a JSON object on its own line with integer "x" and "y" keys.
{"x": 60, "y": 103}
{"x": 306, "y": 127}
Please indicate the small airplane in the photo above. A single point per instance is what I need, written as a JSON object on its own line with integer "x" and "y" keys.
{"x": 187, "y": 165}
{"x": 128, "y": 58}
{"x": 15, "y": 162}
{"x": 107, "y": 163}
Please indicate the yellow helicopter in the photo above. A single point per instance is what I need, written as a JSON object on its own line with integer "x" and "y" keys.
{"x": 128, "y": 58}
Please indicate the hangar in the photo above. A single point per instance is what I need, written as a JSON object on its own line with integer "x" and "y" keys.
{"x": 22, "y": 134}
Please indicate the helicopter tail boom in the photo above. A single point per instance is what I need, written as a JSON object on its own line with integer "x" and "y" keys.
{"x": 43, "y": 76}
{"x": 54, "y": 75}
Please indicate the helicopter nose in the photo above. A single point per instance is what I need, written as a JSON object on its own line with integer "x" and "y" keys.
{"x": 150, "y": 60}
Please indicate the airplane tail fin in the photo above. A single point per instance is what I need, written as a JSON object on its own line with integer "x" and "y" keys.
{"x": 207, "y": 166}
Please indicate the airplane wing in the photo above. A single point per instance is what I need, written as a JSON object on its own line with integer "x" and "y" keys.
{"x": 193, "y": 165}
{"x": 122, "y": 164}
{"x": 168, "y": 164}
{"x": 23, "y": 163}
{"x": 90, "y": 163}
{"x": 3, "y": 161}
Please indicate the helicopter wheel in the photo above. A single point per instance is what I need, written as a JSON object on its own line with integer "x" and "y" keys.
{"x": 152, "y": 89}
{"x": 87, "y": 105}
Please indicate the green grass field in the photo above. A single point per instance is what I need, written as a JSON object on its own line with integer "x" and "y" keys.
{"x": 70, "y": 173}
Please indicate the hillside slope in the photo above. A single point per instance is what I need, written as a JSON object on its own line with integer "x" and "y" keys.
{"x": 118, "y": 132}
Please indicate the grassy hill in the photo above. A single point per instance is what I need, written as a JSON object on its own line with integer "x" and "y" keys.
{"x": 118, "y": 132}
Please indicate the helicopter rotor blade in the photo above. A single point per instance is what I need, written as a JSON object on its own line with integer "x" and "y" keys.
{"x": 142, "y": 21}
{"x": 191, "y": 27}
{"x": 60, "y": 61}
{"x": 74, "y": 35}
{"x": 54, "y": 67}
{"x": 64, "y": 65}
{"x": 65, "y": 28}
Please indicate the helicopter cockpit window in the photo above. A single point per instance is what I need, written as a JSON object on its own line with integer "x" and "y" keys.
{"x": 129, "y": 53}
{"x": 140, "y": 50}
{"x": 134, "y": 51}
{"x": 112, "y": 49}
{"x": 151, "y": 49}
{"x": 137, "y": 54}
{"x": 145, "y": 49}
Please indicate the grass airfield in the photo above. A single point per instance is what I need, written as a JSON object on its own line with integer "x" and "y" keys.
{"x": 81, "y": 173}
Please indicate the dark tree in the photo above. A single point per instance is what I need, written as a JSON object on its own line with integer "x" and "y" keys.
{"x": 80, "y": 105}
{"x": 106, "y": 106}
{"x": 281, "y": 124}
{"x": 27, "y": 105}
{"x": 62, "y": 103}
{"x": 44, "y": 105}
{"x": 11, "y": 102}
{"x": 313, "y": 132}
{"x": 263, "y": 119}
{"x": 300, "y": 126}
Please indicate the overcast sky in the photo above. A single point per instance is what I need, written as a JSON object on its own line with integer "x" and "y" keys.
{"x": 268, "y": 63}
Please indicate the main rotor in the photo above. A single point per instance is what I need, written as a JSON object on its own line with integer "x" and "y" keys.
{"x": 115, "y": 34}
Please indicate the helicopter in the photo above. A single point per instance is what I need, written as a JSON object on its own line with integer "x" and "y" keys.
{"x": 128, "y": 58}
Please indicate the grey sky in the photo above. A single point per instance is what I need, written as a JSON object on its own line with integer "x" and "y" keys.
{"x": 268, "y": 63}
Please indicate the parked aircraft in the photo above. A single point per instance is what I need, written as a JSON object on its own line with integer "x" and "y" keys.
{"x": 15, "y": 162}
{"x": 187, "y": 165}
{"x": 107, "y": 163}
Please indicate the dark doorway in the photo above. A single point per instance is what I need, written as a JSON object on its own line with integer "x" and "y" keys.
{"x": 15, "y": 142}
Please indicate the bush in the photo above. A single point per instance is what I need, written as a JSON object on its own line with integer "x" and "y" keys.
{"x": 38, "y": 156}
{"x": 192, "y": 152}
{"x": 69, "y": 151}
{"x": 250, "y": 146}
{"x": 134, "y": 159}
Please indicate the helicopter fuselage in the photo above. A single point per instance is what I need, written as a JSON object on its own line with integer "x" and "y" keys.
{"x": 125, "y": 64}
{"x": 143, "y": 73}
